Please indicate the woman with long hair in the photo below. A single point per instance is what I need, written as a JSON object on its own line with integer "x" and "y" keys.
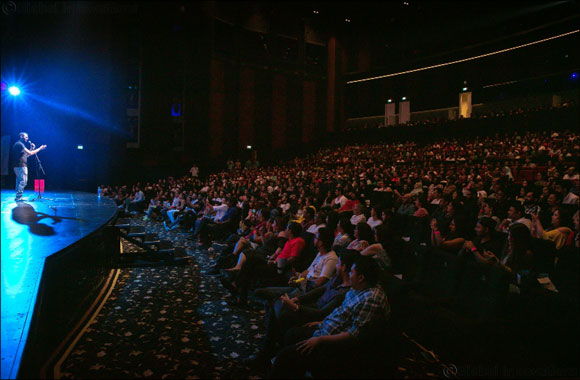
{"x": 363, "y": 237}
{"x": 560, "y": 230}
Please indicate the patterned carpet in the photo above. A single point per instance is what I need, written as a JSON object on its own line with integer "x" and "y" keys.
{"x": 171, "y": 322}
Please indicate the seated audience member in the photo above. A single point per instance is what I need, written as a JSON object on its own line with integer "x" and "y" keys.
{"x": 488, "y": 243}
{"x": 317, "y": 274}
{"x": 553, "y": 202}
{"x": 452, "y": 240}
{"x": 421, "y": 211}
{"x": 319, "y": 222}
{"x": 531, "y": 205}
{"x": 440, "y": 213}
{"x": 224, "y": 215}
{"x": 375, "y": 218}
{"x": 515, "y": 215}
{"x": 487, "y": 210}
{"x": 253, "y": 265}
{"x": 350, "y": 204}
{"x": 559, "y": 231}
{"x": 573, "y": 177}
{"x": 344, "y": 233}
{"x": 385, "y": 241}
{"x": 272, "y": 237}
{"x": 308, "y": 218}
{"x": 153, "y": 211}
{"x": 173, "y": 213}
{"x": 518, "y": 258}
{"x": 408, "y": 206}
{"x": 340, "y": 200}
{"x": 365, "y": 306}
{"x": 363, "y": 237}
{"x": 315, "y": 305}
{"x": 358, "y": 215}
{"x": 136, "y": 202}
{"x": 569, "y": 197}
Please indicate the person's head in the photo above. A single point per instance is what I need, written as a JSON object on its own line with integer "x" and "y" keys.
{"x": 484, "y": 226}
{"x": 345, "y": 227}
{"x": 280, "y": 223}
{"x": 309, "y": 213}
{"x": 363, "y": 231}
{"x": 454, "y": 207}
{"x": 23, "y": 136}
{"x": 295, "y": 229}
{"x": 516, "y": 211}
{"x": 376, "y": 212}
{"x": 382, "y": 234}
{"x": 530, "y": 198}
{"x": 324, "y": 239}
{"x": 519, "y": 237}
{"x": 488, "y": 206}
{"x": 553, "y": 199}
{"x": 364, "y": 272}
{"x": 562, "y": 217}
{"x": 358, "y": 209}
{"x": 345, "y": 261}
{"x": 576, "y": 220}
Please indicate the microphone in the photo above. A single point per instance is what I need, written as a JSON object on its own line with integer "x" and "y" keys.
{"x": 31, "y": 144}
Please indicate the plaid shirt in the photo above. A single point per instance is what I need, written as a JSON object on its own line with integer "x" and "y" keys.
{"x": 359, "y": 308}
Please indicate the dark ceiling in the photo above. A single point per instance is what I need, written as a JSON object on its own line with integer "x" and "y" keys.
{"x": 410, "y": 31}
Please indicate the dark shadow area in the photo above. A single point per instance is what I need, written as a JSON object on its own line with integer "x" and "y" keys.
{"x": 26, "y": 214}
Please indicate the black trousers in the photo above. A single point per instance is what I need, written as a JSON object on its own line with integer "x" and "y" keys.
{"x": 291, "y": 364}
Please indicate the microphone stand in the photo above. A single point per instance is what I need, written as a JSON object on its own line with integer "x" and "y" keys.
{"x": 39, "y": 167}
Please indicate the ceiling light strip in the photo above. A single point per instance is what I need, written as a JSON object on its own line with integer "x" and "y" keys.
{"x": 463, "y": 60}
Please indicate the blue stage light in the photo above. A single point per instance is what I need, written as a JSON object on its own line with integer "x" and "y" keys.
{"x": 14, "y": 91}
{"x": 574, "y": 76}
{"x": 80, "y": 147}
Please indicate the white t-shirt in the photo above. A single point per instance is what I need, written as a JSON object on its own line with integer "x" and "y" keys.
{"x": 313, "y": 229}
{"x": 570, "y": 199}
{"x": 356, "y": 219}
{"x": 374, "y": 222}
{"x": 220, "y": 211}
{"x": 340, "y": 200}
{"x": 322, "y": 266}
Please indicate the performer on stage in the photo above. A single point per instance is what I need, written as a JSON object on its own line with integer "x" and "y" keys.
{"x": 20, "y": 155}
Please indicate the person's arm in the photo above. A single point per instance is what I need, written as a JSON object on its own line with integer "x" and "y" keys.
{"x": 307, "y": 346}
{"x": 35, "y": 151}
{"x": 312, "y": 295}
{"x": 538, "y": 229}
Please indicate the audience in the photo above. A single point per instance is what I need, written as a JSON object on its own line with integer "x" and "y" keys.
{"x": 486, "y": 198}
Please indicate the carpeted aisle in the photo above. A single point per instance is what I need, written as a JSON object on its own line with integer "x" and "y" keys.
{"x": 171, "y": 322}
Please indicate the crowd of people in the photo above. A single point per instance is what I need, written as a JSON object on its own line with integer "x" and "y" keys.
{"x": 313, "y": 234}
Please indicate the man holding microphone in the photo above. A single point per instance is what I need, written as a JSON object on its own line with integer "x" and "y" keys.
{"x": 20, "y": 156}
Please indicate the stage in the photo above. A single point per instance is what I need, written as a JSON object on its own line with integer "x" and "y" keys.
{"x": 40, "y": 240}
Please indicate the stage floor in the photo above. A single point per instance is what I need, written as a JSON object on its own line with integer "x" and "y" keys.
{"x": 32, "y": 231}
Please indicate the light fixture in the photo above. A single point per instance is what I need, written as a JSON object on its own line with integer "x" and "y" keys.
{"x": 347, "y": 20}
{"x": 404, "y": 98}
{"x": 248, "y": 146}
{"x": 464, "y": 88}
{"x": 14, "y": 91}
{"x": 389, "y": 100}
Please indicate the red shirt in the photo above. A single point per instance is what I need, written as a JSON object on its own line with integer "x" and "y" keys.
{"x": 349, "y": 205}
{"x": 292, "y": 248}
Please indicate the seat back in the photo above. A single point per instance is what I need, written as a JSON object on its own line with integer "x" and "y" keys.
{"x": 439, "y": 276}
{"x": 482, "y": 290}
